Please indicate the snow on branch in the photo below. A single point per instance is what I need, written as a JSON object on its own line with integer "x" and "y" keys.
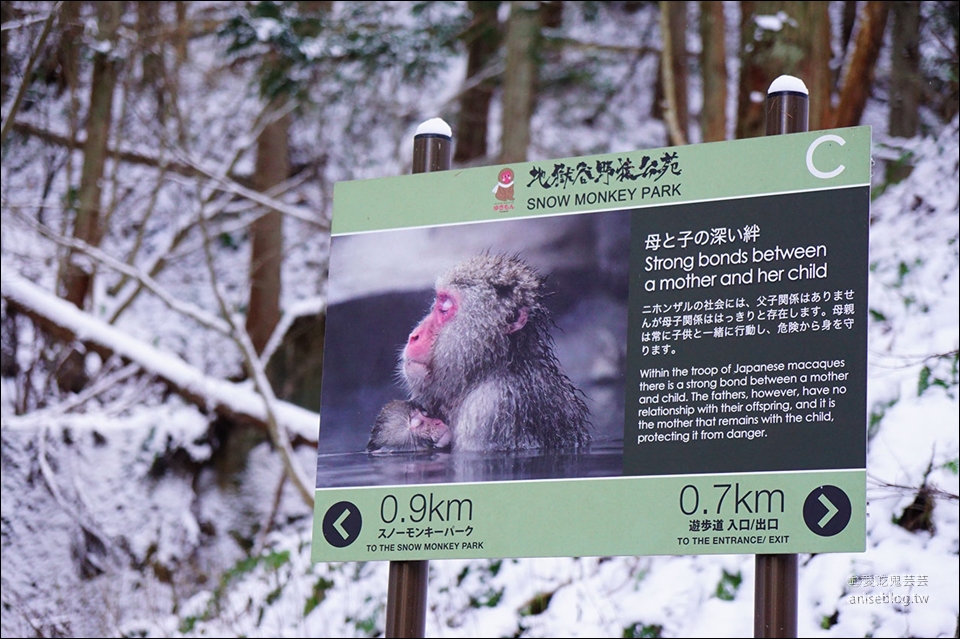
{"x": 190, "y": 168}
{"x": 124, "y": 155}
{"x": 276, "y": 430}
{"x": 228, "y": 185}
{"x": 197, "y": 314}
{"x": 234, "y": 401}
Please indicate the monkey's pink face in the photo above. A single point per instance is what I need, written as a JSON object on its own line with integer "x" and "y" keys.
{"x": 506, "y": 177}
{"x": 419, "y": 348}
{"x": 420, "y": 423}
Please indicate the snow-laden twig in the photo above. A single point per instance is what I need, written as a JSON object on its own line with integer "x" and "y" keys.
{"x": 230, "y": 186}
{"x": 233, "y": 401}
{"x": 310, "y": 306}
{"x": 103, "y": 384}
{"x": 197, "y": 314}
{"x": 78, "y": 515}
{"x": 278, "y": 434}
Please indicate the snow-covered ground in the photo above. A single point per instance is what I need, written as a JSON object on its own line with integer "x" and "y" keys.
{"x": 111, "y": 522}
{"x": 82, "y": 496}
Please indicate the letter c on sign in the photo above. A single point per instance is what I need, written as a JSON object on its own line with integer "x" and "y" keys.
{"x": 824, "y": 175}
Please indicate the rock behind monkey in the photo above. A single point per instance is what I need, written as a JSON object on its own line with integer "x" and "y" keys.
{"x": 482, "y": 361}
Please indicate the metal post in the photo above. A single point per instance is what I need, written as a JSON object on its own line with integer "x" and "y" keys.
{"x": 787, "y": 108}
{"x": 407, "y": 584}
{"x": 775, "y": 596}
{"x": 776, "y": 591}
{"x": 407, "y": 599}
{"x": 431, "y": 152}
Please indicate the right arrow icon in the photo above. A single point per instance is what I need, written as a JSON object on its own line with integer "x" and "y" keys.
{"x": 835, "y": 518}
{"x": 831, "y": 511}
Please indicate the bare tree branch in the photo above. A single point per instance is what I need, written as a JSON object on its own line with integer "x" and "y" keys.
{"x": 102, "y": 384}
{"x": 130, "y": 157}
{"x": 567, "y": 41}
{"x": 187, "y": 168}
{"x": 933, "y": 489}
{"x": 28, "y": 72}
{"x": 277, "y": 432}
{"x": 163, "y": 255}
{"x": 228, "y": 185}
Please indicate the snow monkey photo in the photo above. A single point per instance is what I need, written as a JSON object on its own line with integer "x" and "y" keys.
{"x": 482, "y": 362}
{"x": 477, "y": 352}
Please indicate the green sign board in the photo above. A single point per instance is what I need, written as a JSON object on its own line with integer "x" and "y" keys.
{"x": 704, "y": 342}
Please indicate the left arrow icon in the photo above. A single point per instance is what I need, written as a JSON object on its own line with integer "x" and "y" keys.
{"x": 338, "y": 524}
{"x": 341, "y": 524}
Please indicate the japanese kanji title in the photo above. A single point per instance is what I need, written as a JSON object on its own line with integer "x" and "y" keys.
{"x": 604, "y": 171}
{"x": 681, "y": 251}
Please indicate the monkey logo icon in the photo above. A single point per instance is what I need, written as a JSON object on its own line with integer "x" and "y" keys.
{"x": 504, "y": 188}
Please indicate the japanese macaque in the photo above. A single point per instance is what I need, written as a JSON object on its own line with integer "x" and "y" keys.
{"x": 401, "y": 427}
{"x": 482, "y": 361}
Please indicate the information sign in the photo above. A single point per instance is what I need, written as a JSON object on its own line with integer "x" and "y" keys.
{"x": 707, "y": 314}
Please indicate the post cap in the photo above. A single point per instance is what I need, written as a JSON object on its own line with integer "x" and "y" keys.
{"x": 788, "y": 84}
{"x": 435, "y": 126}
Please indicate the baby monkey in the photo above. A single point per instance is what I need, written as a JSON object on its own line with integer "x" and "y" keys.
{"x": 403, "y": 427}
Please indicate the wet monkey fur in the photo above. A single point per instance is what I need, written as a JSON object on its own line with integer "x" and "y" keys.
{"x": 482, "y": 361}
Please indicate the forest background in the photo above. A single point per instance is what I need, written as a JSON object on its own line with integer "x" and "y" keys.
{"x": 167, "y": 181}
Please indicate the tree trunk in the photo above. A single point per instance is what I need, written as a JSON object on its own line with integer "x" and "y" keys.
{"x": 798, "y": 45}
{"x": 750, "y": 116}
{"x": 78, "y": 280}
{"x": 6, "y": 15}
{"x": 519, "y": 80}
{"x": 905, "y": 81}
{"x": 713, "y": 62}
{"x": 266, "y": 257}
{"x": 947, "y": 101}
{"x": 849, "y": 21}
{"x": 62, "y": 64}
{"x": 181, "y": 39}
{"x": 673, "y": 29}
{"x": 482, "y": 39}
{"x": 154, "y": 74}
{"x": 266, "y": 253}
{"x": 814, "y": 69}
{"x": 151, "y": 58}
{"x": 859, "y": 77}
